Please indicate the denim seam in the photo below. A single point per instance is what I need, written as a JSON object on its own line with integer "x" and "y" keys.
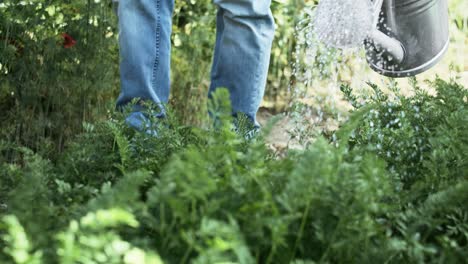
{"x": 158, "y": 40}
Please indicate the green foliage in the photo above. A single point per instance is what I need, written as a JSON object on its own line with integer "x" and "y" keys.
{"x": 287, "y": 13}
{"x": 193, "y": 43}
{"x": 49, "y": 89}
{"x": 18, "y": 246}
{"x": 422, "y": 138}
{"x": 211, "y": 196}
{"x": 90, "y": 240}
{"x": 457, "y": 14}
{"x": 390, "y": 188}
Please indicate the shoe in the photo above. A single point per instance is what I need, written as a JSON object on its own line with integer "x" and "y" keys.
{"x": 252, "y": 133}
{"x": 245, "y": 127}
{"x": 140, "y": 122}
{"x": 247, "y": 133}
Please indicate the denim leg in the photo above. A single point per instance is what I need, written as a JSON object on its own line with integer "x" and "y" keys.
{"x": 145, "y": 47}
{"x": 245, "y": 31}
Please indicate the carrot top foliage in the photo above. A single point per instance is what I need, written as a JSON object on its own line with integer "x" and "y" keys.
{"x": 390, "y": 187}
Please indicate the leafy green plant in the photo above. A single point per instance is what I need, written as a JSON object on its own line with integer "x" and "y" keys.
{"x": 422, "y": 137}
{"x": 90, "y": 240}
{"x": 210, "y": 195}
{"x": 18, "y": 246}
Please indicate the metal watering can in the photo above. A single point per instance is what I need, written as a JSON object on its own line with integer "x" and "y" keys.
{"x": 410, "y": 37}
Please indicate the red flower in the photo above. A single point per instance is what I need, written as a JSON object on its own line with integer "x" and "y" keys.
{"x": 68, "y": 41}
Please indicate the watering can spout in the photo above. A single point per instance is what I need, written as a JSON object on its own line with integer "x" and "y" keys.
{"x": 383, "y": 43}
{"x": 388, "y": 45}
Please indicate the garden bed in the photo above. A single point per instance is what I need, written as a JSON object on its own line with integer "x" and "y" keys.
{"x": 390, "y": 186}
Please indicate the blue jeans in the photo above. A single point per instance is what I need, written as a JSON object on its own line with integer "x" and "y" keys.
{"x": 245, "y": 31}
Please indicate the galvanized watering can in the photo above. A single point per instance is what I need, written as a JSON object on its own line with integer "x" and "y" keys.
{"x": 411, "y": 36}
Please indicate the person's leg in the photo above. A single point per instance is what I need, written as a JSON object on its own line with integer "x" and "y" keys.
{"x": 245, "y": 31}
{"x": 145, "y": 46}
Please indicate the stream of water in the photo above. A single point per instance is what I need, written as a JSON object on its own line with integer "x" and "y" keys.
{"x": 329, "y": 51}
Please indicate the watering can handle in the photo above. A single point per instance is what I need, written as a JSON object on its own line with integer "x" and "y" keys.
{"x": 390, "y": 45}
